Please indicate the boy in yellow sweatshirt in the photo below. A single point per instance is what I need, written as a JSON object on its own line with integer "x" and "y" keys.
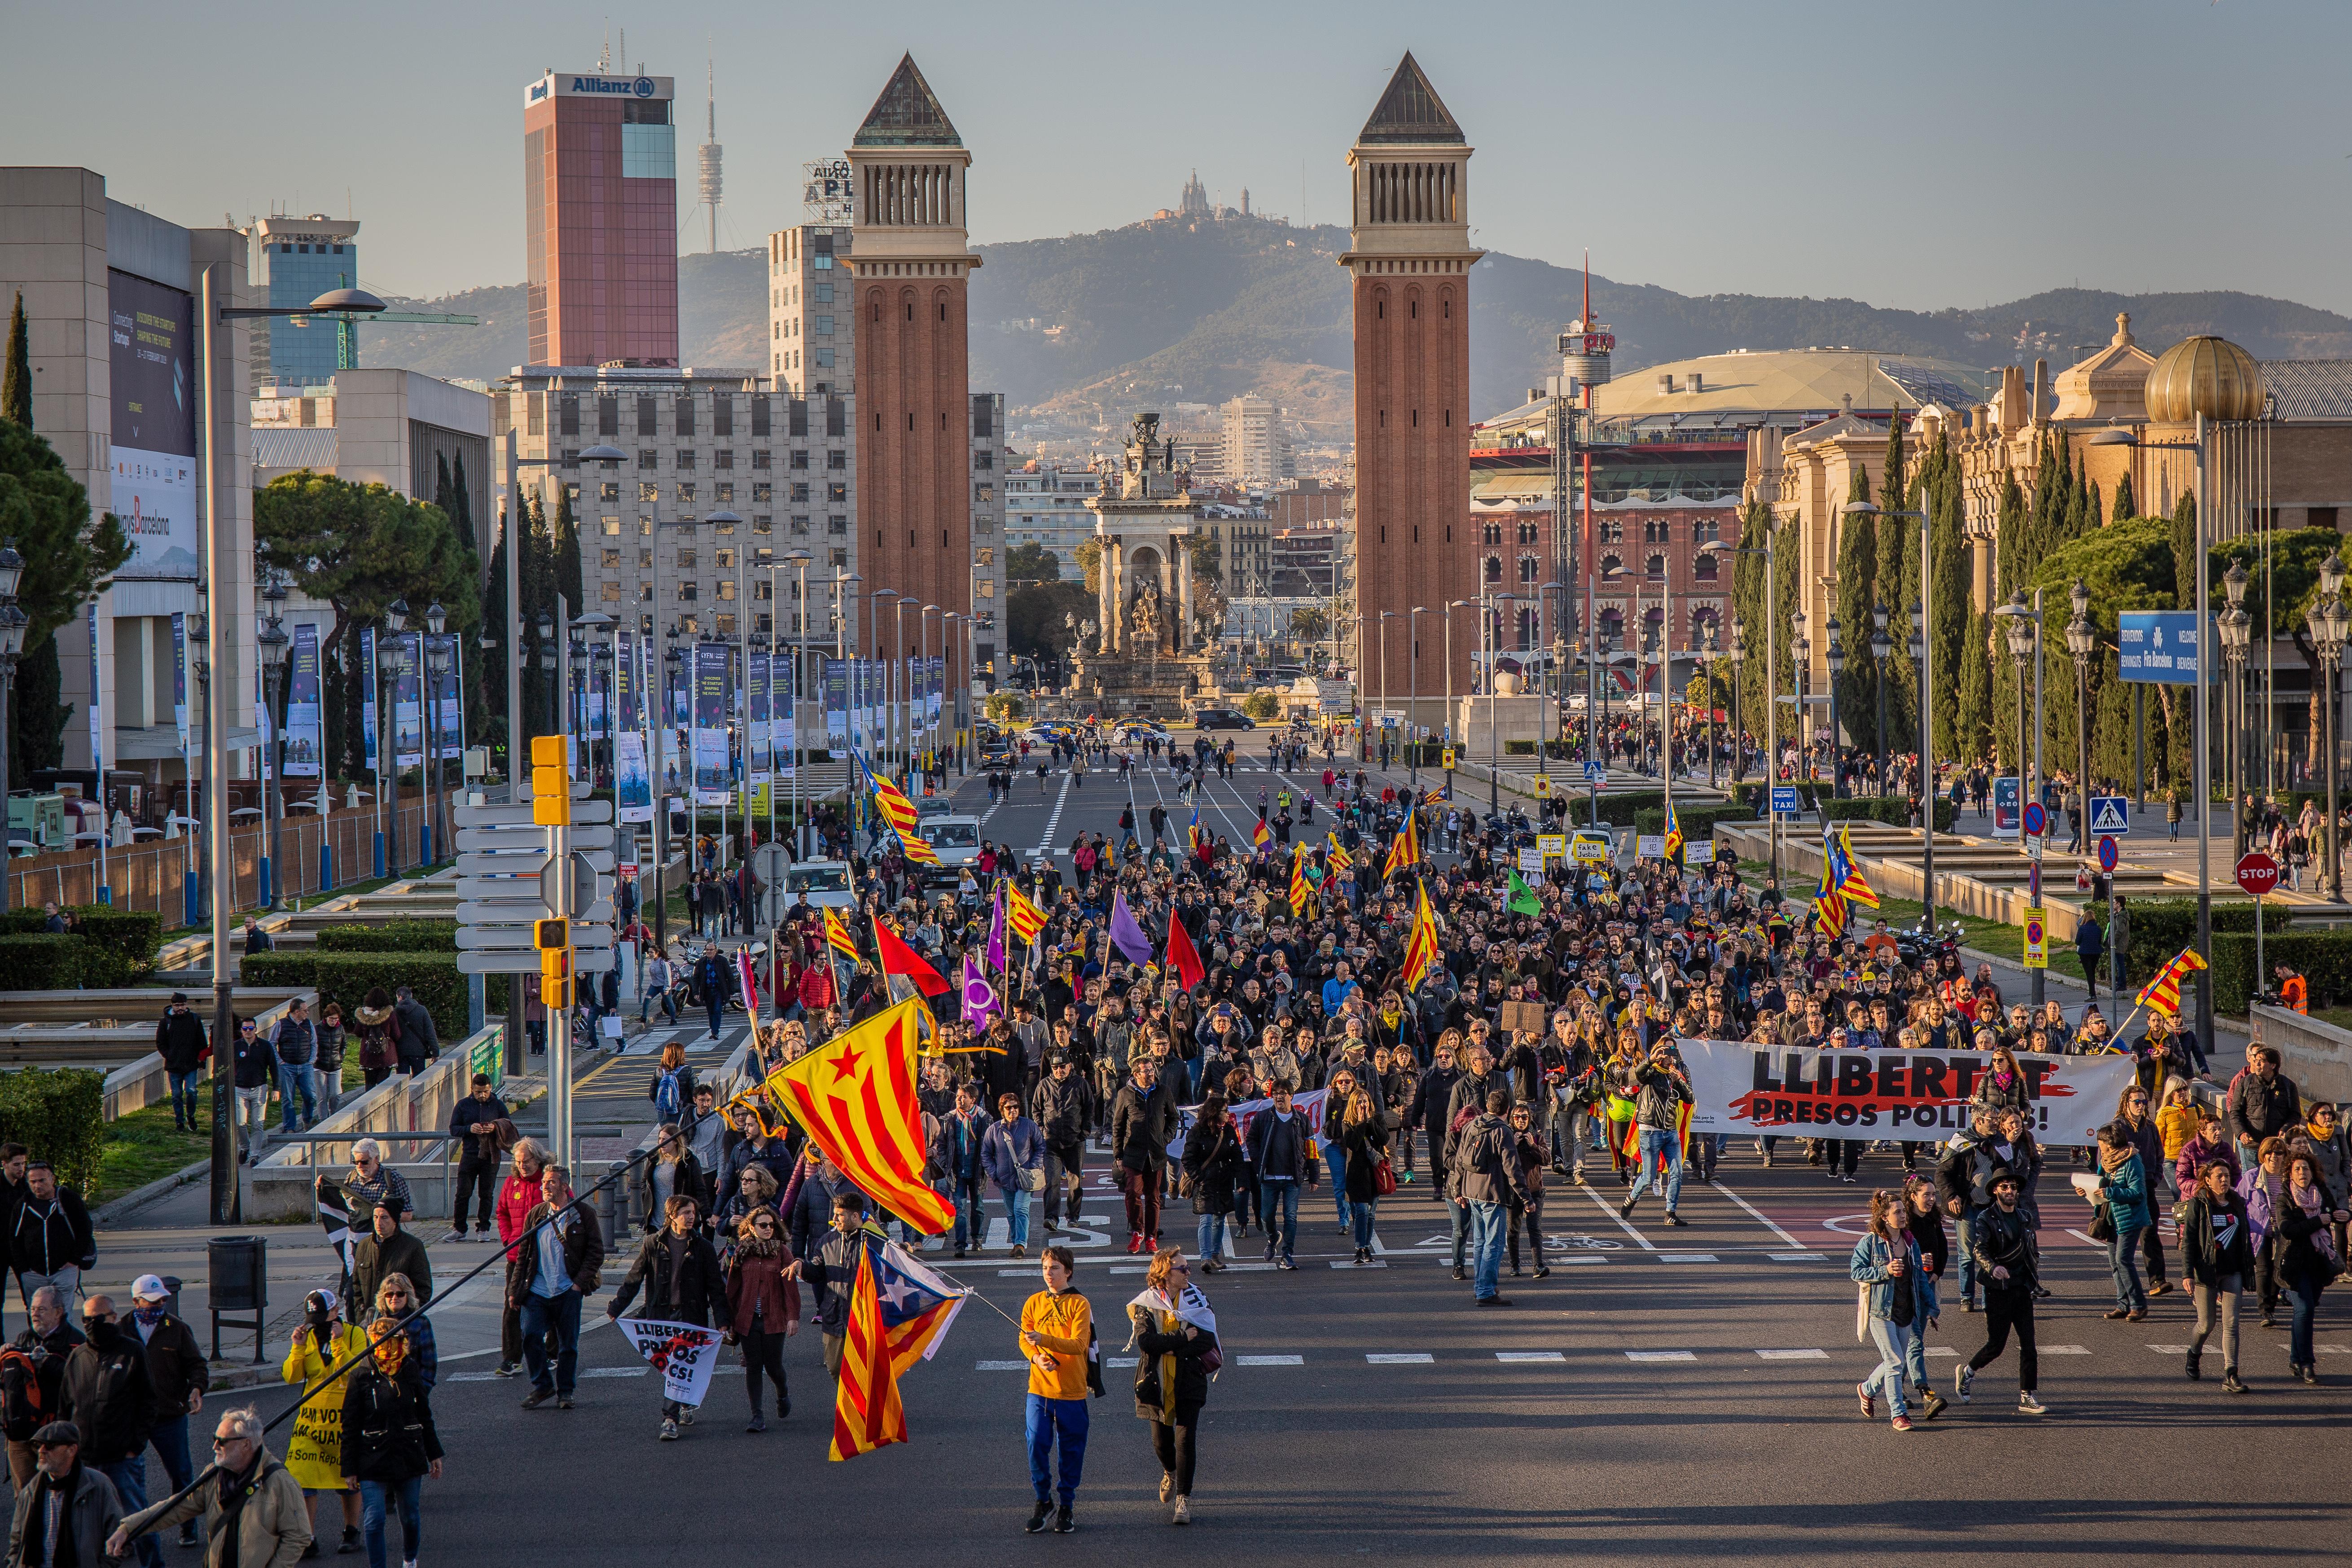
{"x": 1058, "y": 1336}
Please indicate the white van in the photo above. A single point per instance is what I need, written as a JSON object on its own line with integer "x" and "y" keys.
{"x": 956, "y": 840}
{"x": 824, "y": 882}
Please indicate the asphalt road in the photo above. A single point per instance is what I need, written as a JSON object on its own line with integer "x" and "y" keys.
{"x": 1664, "y": 1394}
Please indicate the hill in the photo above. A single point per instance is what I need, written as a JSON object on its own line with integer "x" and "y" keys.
{"x": 1089, "y": 325}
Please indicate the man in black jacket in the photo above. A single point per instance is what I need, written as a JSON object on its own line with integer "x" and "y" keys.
{"x": 24, "y": 1404}
{"x": 1142, "y": 1120}
{"x": 2002, "y": 1245}
{"x": 474, "y": 1123}
{"x": 1427, "y": 1111}
{"x": 420, "y": 1042}
{"x": 1282, "y": 1150}
{"x": 179, "y": 1373}
{"x": 1063, "y": 1109}
{"x": 679, "y": 1270}
{"x": 111, "y": 1398}
{"x": 549, "y": 1276}
{"x": 50, "y": 1242}
{"x": 830, "y": 1268}
{"x": 388, "y": 1249}
{"x": 180, "y": 1041}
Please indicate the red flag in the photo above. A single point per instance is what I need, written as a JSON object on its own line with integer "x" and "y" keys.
{"x": 1180, "y": 953}
{"x": 898, "y": 958}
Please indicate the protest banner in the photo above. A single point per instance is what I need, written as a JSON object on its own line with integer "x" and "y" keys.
{"x": 683, "y": 1353}
{"x": 1309, "y": 1105}
{"x": 1910, "y": 1095}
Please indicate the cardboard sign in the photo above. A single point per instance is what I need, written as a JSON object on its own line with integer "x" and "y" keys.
{"x": 1699, "y": 854}
{"x": 1531, "y": 859}
{"x": 1522, "y": 1016}
{"x": 1649, "y": 846}
{"x": 1552, "y": 846}
{"x": 1590, "y": 847}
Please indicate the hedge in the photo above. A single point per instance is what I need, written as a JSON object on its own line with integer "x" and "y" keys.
{"x": 2324, "y": 958}
{"x": 123, "y": 942}
{"x": 42, "y": 963}
{"x": 1697, "y": 822}
{"x": 1892, "y": 810}
{"x": 2162, "y": 926}
{"x": 392, "y": 936}
{"x": 60, "y": 1115}
{"x": 347, "y": 977}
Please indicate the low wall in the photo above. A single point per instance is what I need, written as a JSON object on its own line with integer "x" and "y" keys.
{"x": 138, "y": 1085}
{"x": 1800, "y": 868}
{"x": 2316, "y": 1056}
{"x": 281, "y": 1185}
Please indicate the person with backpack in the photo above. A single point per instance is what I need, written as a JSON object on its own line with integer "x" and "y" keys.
{"x": 714, "y": 978}
{"x": 111, "y": 1398}
{"x": 672, "y": 1087}
{"x": 180, "y": 1041}
{"x": 379, "y": 1030}
{"x": 417, "y": 1041}
{"x": 50, "y": 1241}
{"x": 1057, "y": 1340}
{"x": 32, "y": 1380}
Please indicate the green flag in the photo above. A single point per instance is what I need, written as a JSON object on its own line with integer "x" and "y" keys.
{"x": 1522, "y": 901}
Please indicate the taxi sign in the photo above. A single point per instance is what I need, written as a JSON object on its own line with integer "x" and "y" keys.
{"x": 1784, "y": 800}
{"x": 2037, "y": 937}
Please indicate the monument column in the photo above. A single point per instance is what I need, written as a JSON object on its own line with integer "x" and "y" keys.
{"x": 1181, "y": 559}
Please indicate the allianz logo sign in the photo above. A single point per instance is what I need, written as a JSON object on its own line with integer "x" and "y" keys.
{"x": 641, "y": 87}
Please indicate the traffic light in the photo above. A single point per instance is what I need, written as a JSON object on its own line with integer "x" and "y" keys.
{"x": 555, "y": 994}
{"x": 546, "y": 936}
{"x": 551, "y": 783}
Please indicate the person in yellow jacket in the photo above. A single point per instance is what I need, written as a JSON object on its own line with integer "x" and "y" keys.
{"x": 315, "y": 1455}
{"x": 1057, "y": 1337}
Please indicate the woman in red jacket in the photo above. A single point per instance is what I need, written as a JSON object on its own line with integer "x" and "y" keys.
{"x": 764, "y": 1308}
{"x": 517, "y": 1196}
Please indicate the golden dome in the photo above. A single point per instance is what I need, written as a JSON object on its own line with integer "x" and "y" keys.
{"x": 2207, "y": 375}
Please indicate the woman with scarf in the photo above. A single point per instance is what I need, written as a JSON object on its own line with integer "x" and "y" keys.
{"x": 2305, "y": 1255}
{"x": 2121, "y": 1182}
{"x": 1358, "y": 1149}
{"x": 389, "y": 1443}
{"x": 315, "y": 1455}
{"x": 1212, "y": 1159}
{"x": 1176, "y": 1333}
{"x": 2265, "y": 1188}
{"x": 764, "y": 1307}
{"x": 2217, "y": 1254}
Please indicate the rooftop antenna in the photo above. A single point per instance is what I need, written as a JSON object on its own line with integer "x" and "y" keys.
{"x": 710, "y": 181}
{"x": 604, "y": 57}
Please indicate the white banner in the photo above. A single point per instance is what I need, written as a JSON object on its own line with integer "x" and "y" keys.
{"x": 683, "y": 1353}
{"x": 1908, "y": 1094}
{"x": 1309, "y": 1105}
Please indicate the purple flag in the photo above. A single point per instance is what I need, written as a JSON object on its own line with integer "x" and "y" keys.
{"x": 996, "y": 933}
{"x": 1125, "y": 934}
{"x": 981, "y": 1005}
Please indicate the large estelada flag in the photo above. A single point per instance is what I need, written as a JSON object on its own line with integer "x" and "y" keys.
{"x": 867, "y": 1412}
{"x": 1421, "y": 947}
{"x": 856, "y": 1096}
{"x": 1405, "y": 849}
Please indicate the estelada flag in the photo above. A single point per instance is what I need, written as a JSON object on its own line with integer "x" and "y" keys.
{"x": 1027, "y": 918}
{"x": 2162, "y": 994}
{"x": 890, "y": 801}
{"x": 917, "y": 848}
{"x": 1674, "y": 845}
{"x": 866, "y": 1413}
{"x": 838, "y": 937}
{"x": 1404, "y": 850}
{"x": 856, "y": 1096}
{"x": 898, "y": 958}
{"x": 1421, "y": 947}
{"x": 917, "y": 1303}
{"x": 1183, "y": 955}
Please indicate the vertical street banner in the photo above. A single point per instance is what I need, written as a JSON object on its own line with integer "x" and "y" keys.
{"x": 180, "y": 675}
{"x": 837, "y": 704}
{"x": 1920, "y": 1095}
{"x": 936, "y": 672}
{"x": 758, "y": 766}
{"x": 152, "y": 425}
{"x": 98, "y": 691}
{"x": 265, "y": 728}
{"x": 673, "y": 718}
{"x": 408, "y": 702}
{"x": 632, "y": 787}
{"x": 450, "y": 702}
{"x": 305, "y": 741}
{"x": 368, "y": 711}
{"x": 712, "y": 768}
{"x": 785, "y": 742}
{"x": 624, "y": 672}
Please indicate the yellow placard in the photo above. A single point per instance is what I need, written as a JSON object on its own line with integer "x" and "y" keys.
{"x": 2037, "y": 937}
{"x": 1445, "y": 759}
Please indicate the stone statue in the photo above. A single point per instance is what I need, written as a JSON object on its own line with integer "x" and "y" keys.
{"x": 1144, "y": 617}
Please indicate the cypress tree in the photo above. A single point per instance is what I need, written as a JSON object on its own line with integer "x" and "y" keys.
{"x": 1857, "y": 560}
{"x": 17, "y": 379}
{"x": 441, "y": 483}
{"x": 461, "y": 506}
{"x": 568, "y": 581}
{"x": 2127, "y": 504}
{"x": 1970, "y": 723}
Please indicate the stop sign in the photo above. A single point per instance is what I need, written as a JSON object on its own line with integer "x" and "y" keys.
{"x": 2257, "y": 873}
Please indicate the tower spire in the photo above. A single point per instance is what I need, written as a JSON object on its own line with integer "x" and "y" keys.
{"x": 711, "y": 185}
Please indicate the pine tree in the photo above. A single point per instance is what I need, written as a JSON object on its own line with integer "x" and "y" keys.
{"x": 17, "y": 379}
{"x": 2127, "y": 505}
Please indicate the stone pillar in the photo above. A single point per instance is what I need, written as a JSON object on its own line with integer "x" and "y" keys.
{"x": 1181, "y": 559}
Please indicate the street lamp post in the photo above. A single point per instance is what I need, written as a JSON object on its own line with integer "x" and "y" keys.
{"x": 2330, "y": 623}
{"x": 547, "y": 674}
{"x": 1706, "y": 654}
{"x": 1881, "y": 647}
{"x": 1926, "y": 772}
{"x": 799, "y": 562}
{"x": 1739, "y": 655}
{"x": 1492, "y": 623}
{"x": 13, "y": 621}
{"x": 2082, "y": 641}
{"x": 391, "y": 658}
{"x": 1800, "y": 651}
{"x": 1380, "y": 720}
{"x": 2024, "y": 625}
{"x": 1837, "y": 758}
{"x": 1413, "y": 706}
{"x": 437, "y": 665}
{"x": 1771, "y": 684}
{"x": 273, "y": 641}
{"x": 2236, "y": 628}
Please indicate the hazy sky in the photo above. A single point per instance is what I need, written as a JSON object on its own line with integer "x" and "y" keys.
{"x": 1909, "y": 155}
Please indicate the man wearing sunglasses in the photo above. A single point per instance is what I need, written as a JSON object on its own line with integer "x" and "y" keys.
{"x": 251, "y": 1507}
{"x": 69, "y": 1509}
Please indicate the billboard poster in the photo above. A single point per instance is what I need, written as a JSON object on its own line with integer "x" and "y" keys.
{"x": 407, "y": 701}
{"x": 837, "y": 704}
{"x": 2008, "y": 816}
{"x": 368, "y": 716}
{"x": 712, "y": 768}
{"x": 782, "y": 740}
{"x": 757, "y": 765}
{"x": 632, "y": 788}
{"x": 625, "y": 669}
{"x": 180, "y": 675}
{"x": 305, "y": 741}
{"x": 153, "y": 437}
{"x": 97, "y": 687}
{"x": 450, "y": 704}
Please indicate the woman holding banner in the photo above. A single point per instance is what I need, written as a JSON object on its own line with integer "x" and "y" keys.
{"x": 1176, "y": 1332}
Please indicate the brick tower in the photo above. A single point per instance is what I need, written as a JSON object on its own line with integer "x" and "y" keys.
{"x": 908, "y": 270}
{"x": 1409, "y": 250}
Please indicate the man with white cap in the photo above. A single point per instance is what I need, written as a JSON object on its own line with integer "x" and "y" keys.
{"x": 180, "y": 1376}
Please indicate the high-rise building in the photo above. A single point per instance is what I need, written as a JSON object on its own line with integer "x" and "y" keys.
{"x": 909, "y": 271}
{"x": 1256, "y": 450}
{"x": 599, "y": 219}
{"x": 1410, "y": 256}
{"x": 811, "y": 353}
{"x": 295, "y": 260}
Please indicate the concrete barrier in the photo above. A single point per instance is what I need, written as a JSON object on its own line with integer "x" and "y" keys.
{"x": 407, "y": 1114}
{"x": 2316, "y": 1056}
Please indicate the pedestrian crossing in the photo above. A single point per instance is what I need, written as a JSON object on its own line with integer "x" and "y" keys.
{"x": 1587, "y": 1357}
{"x": 694, "y": 1036}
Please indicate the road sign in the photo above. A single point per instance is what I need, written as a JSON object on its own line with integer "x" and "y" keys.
{"x": 498, "y": 961}
{"x": 519, "y": 862}
{"x": 585, "y": 813}
{"x": 1784, "y": 800}
{"x": 2257, "y": 873}
{"x": 2037, "y": 937}
{"x": 2037, "y": 819}
{"x": 1543, "y": 786}
{"x": 494, "y": 937}
{"x": 503, "y": 912}
{"x": 1445, "y": 759}
{"x": 2106, "y": 854}
{"x": 2111, "y": 815}
{"x": 1595, "y": 773}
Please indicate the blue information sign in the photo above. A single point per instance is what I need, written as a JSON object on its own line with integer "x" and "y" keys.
{"x": 2157, "y": 645}
{"x": 1784, "y": 800}
{"x": 2110, "y": 814}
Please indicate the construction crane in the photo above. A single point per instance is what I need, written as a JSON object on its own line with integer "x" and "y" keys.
{"x": 347, "y": 328}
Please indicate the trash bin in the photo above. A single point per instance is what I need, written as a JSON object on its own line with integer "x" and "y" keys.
{"x": 238, "y": 1279}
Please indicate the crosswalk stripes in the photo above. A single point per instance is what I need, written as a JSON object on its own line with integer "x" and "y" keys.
{"x": 694, "y": 1036}
{"x": 1506, "y": 1358}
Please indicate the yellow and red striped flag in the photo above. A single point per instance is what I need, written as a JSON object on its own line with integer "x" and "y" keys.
{"x": 1405, "y": 849}
{"x": 917, "y": 848}
{"x": 892, "y": 802}
{"x": 1302, "y": 893}
{"x": 838, "y": 937}
{"x": 867, "y": 1412}
{"x": 856, "y": 1096}
{"x": 1421, "y": 947}
{"x": 1026, "y": 918}
{"x": 1339, "y": 859}
{"x": 2162, "y": 994}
